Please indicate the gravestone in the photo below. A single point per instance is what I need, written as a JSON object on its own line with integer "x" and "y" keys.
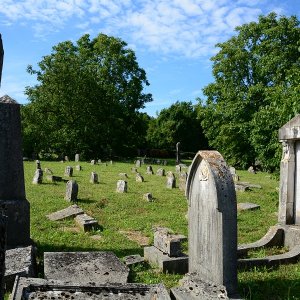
{"x": 148, "y": 197}
{"x": 212, "y": 221}
{"x": 69, "y": 171}
{"x": 71, "y": 190}
{"x": 69, "y": 212}
{"x": 289, "y": 195}
{"x": 78, "y": 168}
{"x": 178, "y": 153}
{"x": 171, "y": 182}
{"x": 94, "y": 178}
{"x": 86, "y": 222}
{"x": 139, "y": 177}
{"x": 122, "y": 186}
{"x": 77, "y": 157}
{"x": 66, "y": 158}
{"x": 38, "y": 176}
{"x": 178, "y": 168}
{"x": 149, "y": 170}
{"x": 182, "y": 180}
{"x": 93, "y": 162}
{"x": 160, "y": 172}
{"x": 138, "y": 163}
{"x": 38, "y": 164}
{"x": 48, "y": 171}
{"x": 13, "y": 201}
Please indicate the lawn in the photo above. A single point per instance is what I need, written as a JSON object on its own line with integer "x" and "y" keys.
{"x": 127, "y": 221}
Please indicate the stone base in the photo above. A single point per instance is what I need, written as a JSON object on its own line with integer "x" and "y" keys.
{"x": 36, "y": 288}
{"x": 85, "y": 267}
{"x": 172, "y": 265}
{"x": 18, "y": 222}
{"x": 19, "y": 262}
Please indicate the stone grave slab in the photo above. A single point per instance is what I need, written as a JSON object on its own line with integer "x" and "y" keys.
{"x": 84, "y": 267}
{"x": 247, "y": 206}
{"x": 167, "y": 264}
{"x": 133, "y": 260}
{"x": 19, "y": 262}
{"x": 86, "y": 222}
{"x": 36, "y": 288}
{"x": 71, "y": 211}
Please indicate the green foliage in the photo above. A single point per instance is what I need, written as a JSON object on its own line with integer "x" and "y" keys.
{"x": 87, "y": 99}
{"x": 255, "y": 91}
{"x": 178, "y": 123}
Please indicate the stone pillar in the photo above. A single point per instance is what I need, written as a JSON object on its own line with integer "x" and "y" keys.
{"x": 212, "y": 221}
{"x": 13, "y": 201}
{"x": 178, "y": 153}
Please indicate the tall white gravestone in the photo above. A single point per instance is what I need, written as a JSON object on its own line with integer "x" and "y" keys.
{"x": 212, "y": 220}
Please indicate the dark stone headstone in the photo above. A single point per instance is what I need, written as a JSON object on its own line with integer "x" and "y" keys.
{"x": 71, "y": 191}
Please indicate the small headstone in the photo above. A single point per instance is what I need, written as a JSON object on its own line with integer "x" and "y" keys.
{"x": 139, "y": 178}
{"x": 93, "y": 162}
{"x": 247, "y": 206}
{"x": 38, "y": 176}
{"x": 148, "y": 197}
{"x": 111, "y": 162}
{"x": 251, "y": 170}
{"x": 178, "y": 153}
{"x": 94, "y": 178}
{"x": 134, "y": 170}
{"x": 71, "y": 211}
{"x": 86, "y": 222}
{"x": 160, "y": 172}
{"x": 122, "y": 186}
{"x": 182, "y": 180}
{"x": 48, "y": 171}
{"x": 77, "y": 158}
{"x": 170, "y": 174}
{"x": 138, "y": 163}
{"x": 124, "y": 175}
{"x": 171, "y": 182}
{"x": 165, "y": 162}
{"x": 38, "y": 164}
{"x": 71, "y": 191}
{"x": 69, "y": 171}
{"x": 78, "y": 168}
{"x": 99, "y": 161}
{"x": 66, "y": 158}
{"x": 178, "y": 168}
{"x": 149, "y": 170}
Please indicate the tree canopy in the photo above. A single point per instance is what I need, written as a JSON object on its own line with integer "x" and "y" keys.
{"x": 86, "y": 100}
{"x": 255, "y": 90}
{"x": 178, "y": 123}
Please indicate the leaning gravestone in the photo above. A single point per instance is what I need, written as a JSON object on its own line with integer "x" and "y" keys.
{"x": 212, "y": 226}
{"x": 139, "y": 178}
{"x": 71, "y": 190}
{"x": 13, "y": 201}
{"x": 38, "y": 176}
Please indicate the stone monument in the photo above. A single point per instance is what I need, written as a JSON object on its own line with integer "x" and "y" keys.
{"x": 13, "y": 201}
{"x": 178, "y": 153}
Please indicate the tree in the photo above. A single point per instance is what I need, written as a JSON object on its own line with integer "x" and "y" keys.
{"x": 255, "y": 92}
{"x": 87, "y": 99}
{"x": 178, "y": 123}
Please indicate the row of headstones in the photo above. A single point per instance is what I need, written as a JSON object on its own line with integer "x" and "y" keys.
{"x": 140, "y": 162}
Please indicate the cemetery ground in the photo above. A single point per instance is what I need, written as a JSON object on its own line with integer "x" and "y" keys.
{"x": 127, "y": 220}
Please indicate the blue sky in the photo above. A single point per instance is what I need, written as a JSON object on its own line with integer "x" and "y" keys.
{"x": 173, "y": 40}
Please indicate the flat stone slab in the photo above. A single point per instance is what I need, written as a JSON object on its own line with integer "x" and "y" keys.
{"x": 172, "y": 265}
{"x": 133, "y": 260}
{"x": 86, "y": 222}
{"x": 71, "y": 211}
{"x": 36, "y": 288}
{"x": 85, "y": 267}
{"x": 247, "y": 206}
{"x": 21, "y": 262}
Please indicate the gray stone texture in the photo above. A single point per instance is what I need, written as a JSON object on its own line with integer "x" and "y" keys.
{"x": 69, "y": 212}
{"x": 85, "y": 267}
{"x": 167, "y": 264}
{"x": 86, "y": 222}
{"x": 94, "y": 178}
{"x": 247, "y": 206}
{"x": 212, "y": 220}
{"x": 38, "y": 164}
{"x": 131, "y": 260}
{"x": 69, "y": 171}
{"x": 160, "y": 172}
{"x": 149, "y": 170}
{"x": 178, "y": 168}
{"x": 19, "y": 262}
{"x": 78, "y": 168}
{"x": 71, "y": 190}
{"x": 182, "y": 180}
{"x": 37, "y": 288}
{"x": 122, "y": 186}
{"x": 13, "y": 201}
{"x": 48, "y": 171}
{"x": 38, "y": 177}
{"x": 171, "y": 182}
{"x": 123, "y": 175}
{"x": 93, "y": 162}
{"x": 139, "y": 177}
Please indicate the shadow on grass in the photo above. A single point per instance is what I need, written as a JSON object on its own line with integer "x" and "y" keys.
{"x": 85, "y": 200}
{"x": 271, "y": 289}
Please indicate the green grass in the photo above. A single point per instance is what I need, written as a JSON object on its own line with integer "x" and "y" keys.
{"x": 119, "y": 213}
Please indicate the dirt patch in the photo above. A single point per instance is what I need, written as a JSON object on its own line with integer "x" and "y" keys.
{"x": 136, "y": 236}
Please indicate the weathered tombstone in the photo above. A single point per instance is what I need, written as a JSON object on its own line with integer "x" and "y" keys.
{"x": 69, "y": 171}
{"x": 212, "y": 221}
{"x": 289, "y": 196}
{"x": 3, "y": 223}
{"x": 94, "y": 178}
{"x": 160, "y": 172}
{"x": 111, "y": 162}
{"x": 139, "y": 178}
{"x": 99, "y": 161}
{"x": 182, "y": 180}
{"x": 13, "y": 201}
{"x": 48, "y": 171}
{"x": 78, "y": 168}
{"x": 38, "y": 164}
{"x": 178, "y": 153}
{"x": 123, "y": 175}
{"x": 149, "y": 170}
{"x": 38, "y": 176}
{"x": 178, "y": 168}
{"x": 165, "y": 162}
{"x": 251, "y": 170}
{"x": 93, "y": 162}
{"x": 148, "y": 197}
{"x": 122, "y": 186}
{"x": 66, "y": 158}
{"x": 77, "y": 157}
{"x": 134, "y": 170}
{"x": 138, "y": 163}
{"x": 71, "y": 190}
{"x": 171, "y": 182}
{"x": 86, "y": 222}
